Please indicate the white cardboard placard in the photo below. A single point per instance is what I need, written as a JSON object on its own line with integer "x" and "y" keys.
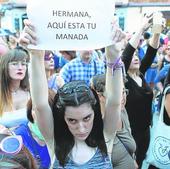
{"x": 71, "y": 24}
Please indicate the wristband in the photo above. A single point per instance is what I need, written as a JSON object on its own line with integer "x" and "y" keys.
{"x": 117, "y": 64}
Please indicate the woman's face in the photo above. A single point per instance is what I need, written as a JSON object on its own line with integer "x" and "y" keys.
{"x": 135, "y": 63}
{"x": 79, "y": 120}
{"x": 17, "y": 69}
{"x": 49, "y": 62}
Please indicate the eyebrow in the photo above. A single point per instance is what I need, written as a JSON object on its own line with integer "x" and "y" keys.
{"x": 83, "y": 117}
{"x": 87, "y": 116}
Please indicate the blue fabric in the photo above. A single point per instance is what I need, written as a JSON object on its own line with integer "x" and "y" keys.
{"x": 150, "y": 75}
{"x": 141, "y": 53}
{"x": 52, "y": 82}
{"x": 96, "y": 162}
{"x": 151, "y": 72}
{"x": 162, "y": 73}
{"x": 77, "y": 70}
{"x": 40, "y": 153}
{"x": 62, "y": 61}
{"x": 56, "y": 61}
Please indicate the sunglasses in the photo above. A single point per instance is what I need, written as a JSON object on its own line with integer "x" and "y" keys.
{"x": 70, "y": 90}
{"x": 75, "y": 93}
{"x": 48, "y": 56}
{"x": 11, "y": 145}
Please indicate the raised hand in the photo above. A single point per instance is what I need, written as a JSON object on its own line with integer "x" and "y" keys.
{"x": 28, "y": 36}
{"x": 146, "y": 21}
{"x": 118, "y": 36}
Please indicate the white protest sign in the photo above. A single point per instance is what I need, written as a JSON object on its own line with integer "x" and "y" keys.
{"x": 71, "y": 24}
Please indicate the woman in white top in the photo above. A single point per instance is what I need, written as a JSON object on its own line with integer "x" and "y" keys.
{"x": 14, "y": 87}
{"x": 74, "y": 130}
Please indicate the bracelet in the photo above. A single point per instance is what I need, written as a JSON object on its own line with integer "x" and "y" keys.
{"x": 117, "y": 64}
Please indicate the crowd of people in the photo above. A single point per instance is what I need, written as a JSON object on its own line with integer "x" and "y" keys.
{"x": 82, "y": 109}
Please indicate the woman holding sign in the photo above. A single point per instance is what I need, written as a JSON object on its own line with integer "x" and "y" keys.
{"x": 75, "y": 133}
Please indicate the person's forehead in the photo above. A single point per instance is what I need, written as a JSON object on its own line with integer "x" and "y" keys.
{"x": 78, "y": 112}
{"x": 19, "y": 59}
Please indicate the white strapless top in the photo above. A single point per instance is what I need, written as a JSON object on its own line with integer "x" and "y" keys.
{"x": 14, "y": 118}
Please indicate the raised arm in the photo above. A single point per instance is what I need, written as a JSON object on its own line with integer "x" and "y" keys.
{"x": 38, "y": 84}
{"x": 153, "y": 46}
{"x": 114, "y": 85}
{"x": 150, "y": 53}
{"x": 134, "y": 41}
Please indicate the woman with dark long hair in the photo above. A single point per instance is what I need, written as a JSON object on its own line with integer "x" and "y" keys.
{"x": 75, "y": 133}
